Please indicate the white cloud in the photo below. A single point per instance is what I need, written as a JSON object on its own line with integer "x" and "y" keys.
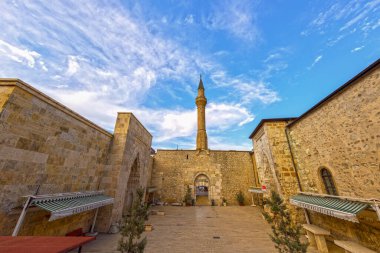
{"x": 357, "y": 49}
{"x": 316, "y": 60}
{"x": 165, "y": 124}
{"x": 345, "y": 18}
{"x": 272, "y": 56}
{"x": 189, "y": 19}
{"x": 247, "y": 91}
{"x": 99, "y": 59}
{"x": 73, "y": 65}
{"x": 178, "y": 123}
{"x": 368, "y": 7}
{"x": 23, "y": 56}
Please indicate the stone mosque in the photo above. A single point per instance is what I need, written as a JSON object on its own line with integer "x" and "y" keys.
{"x": 220, "y": 174}
{"x": 60, "y": 171}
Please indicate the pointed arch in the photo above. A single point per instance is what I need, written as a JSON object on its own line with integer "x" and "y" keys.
{"x": 132, "y": 184}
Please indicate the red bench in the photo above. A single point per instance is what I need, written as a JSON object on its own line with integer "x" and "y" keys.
{"x": 76, "y": 232}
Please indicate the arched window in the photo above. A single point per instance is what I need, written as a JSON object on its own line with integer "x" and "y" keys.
{"x": 328, "y": 182}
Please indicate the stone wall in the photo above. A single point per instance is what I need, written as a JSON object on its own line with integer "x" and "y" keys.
{"x": 227, "y": 171}
{"x": 343, "y": 135}
{"x": 130, "y": 150}
{"x": 366, "y": 232}
{"x": 273, "y": 159}
{"x": 44, "y": 143}
{"x": 340, "y": 134}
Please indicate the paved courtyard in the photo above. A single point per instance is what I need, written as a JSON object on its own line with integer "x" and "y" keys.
{"x": 200, "y": 229}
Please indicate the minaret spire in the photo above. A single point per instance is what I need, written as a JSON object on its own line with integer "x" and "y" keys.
{"x": 201, "y": 102}
{"x": 200, "y": 86}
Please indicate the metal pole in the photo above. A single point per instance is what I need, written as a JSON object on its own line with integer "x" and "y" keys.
{"x": 306, "y": 216}
{"x": 22, "y": 216}
{"x": 253, "y": 201}
{"x": 377, "y": 209}
{"x": 93, "y": 222}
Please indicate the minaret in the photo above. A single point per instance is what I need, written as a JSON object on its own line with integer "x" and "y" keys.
{"x": 201, "y": 102}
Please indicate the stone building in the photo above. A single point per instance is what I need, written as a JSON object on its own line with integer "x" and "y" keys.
{"x": 211, "y": 174}
{"x": 46, "y": 148}
{"x": 325, "y": 163}
{"x": 331, "y": 154}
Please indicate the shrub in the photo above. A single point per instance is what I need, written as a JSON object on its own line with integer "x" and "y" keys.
{"x": 240, "y": 198}
{"x": 134, "y": 226}
{"x": 188, "y": 198}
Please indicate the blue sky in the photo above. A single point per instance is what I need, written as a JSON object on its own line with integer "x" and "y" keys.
{"x": 258, "y": 59}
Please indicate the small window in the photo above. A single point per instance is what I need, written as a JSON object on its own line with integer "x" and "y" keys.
{"x": 328, "y": 182}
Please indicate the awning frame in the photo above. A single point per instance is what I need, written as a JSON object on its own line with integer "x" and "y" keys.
{"x": 60, "y": 213}
{"x": 373, "y": 203}
{"x": 255, "y": 190}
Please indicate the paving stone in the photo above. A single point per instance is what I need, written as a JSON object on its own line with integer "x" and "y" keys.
{"x": 200, "y": 229}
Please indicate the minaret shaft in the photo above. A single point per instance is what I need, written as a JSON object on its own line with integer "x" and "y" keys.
{"x": 201, "y": 102}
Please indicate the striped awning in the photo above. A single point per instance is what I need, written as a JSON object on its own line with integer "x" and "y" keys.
{"x": 336, "y": 207}
{"x": 255, "y": 190}
{"x": 66, "y": 204}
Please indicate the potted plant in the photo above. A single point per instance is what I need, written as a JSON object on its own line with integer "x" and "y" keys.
{"x": 240, "y": 198}
{"x": 224, "y": 201}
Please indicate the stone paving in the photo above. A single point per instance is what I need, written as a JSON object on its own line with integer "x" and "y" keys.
{"x": 200, "y": 229}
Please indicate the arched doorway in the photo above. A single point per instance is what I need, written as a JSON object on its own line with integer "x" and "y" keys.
{"x": 201, "y": 188}
{"x": 132, "y": 185}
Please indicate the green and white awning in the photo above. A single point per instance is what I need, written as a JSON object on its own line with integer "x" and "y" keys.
{"x": 332, "y": 206}
{"x": 66, "y": 204}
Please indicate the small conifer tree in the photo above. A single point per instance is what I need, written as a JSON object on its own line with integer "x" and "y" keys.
{"x": 240, "y": 198}
{"x": 134, "y": 226}
{"x": 286, "y": 235}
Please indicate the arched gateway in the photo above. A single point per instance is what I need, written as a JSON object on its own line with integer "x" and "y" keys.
{"x": 132, "y": 185}
{"x": 201, "y": 189}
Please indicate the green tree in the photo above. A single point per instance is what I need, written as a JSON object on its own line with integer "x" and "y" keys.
{"x": 134, "y": 226}
{"x": 286, "y": 235}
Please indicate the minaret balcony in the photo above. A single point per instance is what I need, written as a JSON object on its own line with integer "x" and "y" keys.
{"x": 200, "y": 101}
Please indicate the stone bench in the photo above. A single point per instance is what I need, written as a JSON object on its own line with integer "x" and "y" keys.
{"x": 316, "y": 236}
{"x": 352, "y": 247}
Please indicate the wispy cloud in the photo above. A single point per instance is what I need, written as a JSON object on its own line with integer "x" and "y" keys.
{"x": 316, "y": 60}
{"x": 246, "y": 90}
{"x": 189, "y": 19}
{"x": 345, "y": 18}
{"x": 23, "y": 56}
{"x": 236, "y": 17}
{"x": 98, "y": 59}
{"x": 357, "y": 49}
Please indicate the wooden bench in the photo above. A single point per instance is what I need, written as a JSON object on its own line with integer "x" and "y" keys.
{"x": 352, "y": 247}
{"x": 76, "y": 232}
{"x": 316, "y": 236}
